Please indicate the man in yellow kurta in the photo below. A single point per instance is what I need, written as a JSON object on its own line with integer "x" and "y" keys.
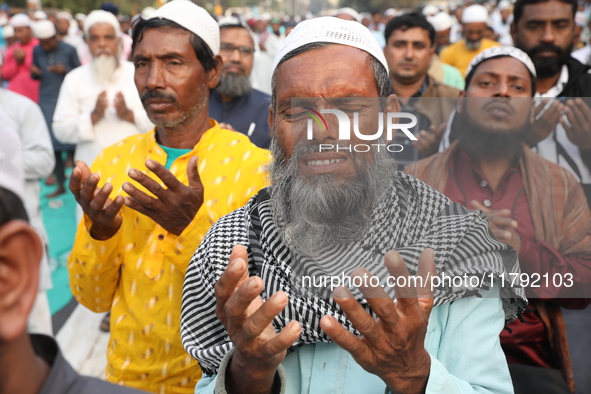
{"x": 149, "y": 200}
{"x": 461, "y": 53}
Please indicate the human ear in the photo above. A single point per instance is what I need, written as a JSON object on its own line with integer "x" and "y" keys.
{"x": 20, "y": 256}
{"x": 460, "y": 101}
{"x": 271, "y": 121}
{"x": 215, "y": 74}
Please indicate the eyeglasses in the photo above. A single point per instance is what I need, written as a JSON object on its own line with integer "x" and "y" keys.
{"x": 229, "y": 48}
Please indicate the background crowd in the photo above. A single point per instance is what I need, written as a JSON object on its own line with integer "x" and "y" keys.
{"x": 68, "y": 90}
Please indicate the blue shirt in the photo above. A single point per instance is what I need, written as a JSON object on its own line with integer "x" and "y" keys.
{"x": 462, "y": 340}
{"x": 244, "y": 114}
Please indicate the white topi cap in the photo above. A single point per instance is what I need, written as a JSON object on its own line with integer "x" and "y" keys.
{"x": 193, "y": 18}
{"x": 63, "y": 15}
{"x": 100, "y": 16}
{"x": 41, "y": 15}
{"x": 7, "y": 31}
{"x": 331, "y": 30}
{"x": 12, "y": 176}
{"x": 146, "y": 12}
{"x": 20, "y": 20}
{"x": 80, "y": 16}
{"x": 502, "y": 51}
{"x": 430, "y": 10}
{"x": 44, "y": 29}
{"x": 504, "y": 5}
{"x": 441, "y": 21}
{"x": 475, "y": 14}
{"x": 349, "y": 11}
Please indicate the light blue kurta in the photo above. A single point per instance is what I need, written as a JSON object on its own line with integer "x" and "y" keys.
{"x": 462, "y": 339}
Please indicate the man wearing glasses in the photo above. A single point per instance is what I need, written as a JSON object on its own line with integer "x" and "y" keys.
{"x": 235, "y": 104}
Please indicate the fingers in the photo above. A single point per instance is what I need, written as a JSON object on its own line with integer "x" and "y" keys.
{"x": 426, "y": 271}
{"x": 166, "y": 176}
{"x": 147, "y": 182}
{"x": 406, "y": 296}
{"x": 362, "y": 321}
{"x": 340, "y": 336}
{"x": 139, "y": 196}
{"x": 80, "y": 174}
{"x": 282, "y": 341}
{"x": 502, "y": 222}
{"x": 113, "y": 208}
{"x": 101, "y": 197}
{"x": 502, "y": 235}
{"x": 232, "y": 275}
{"x": 476, "y": 205}
{"x": 193, "y": 174}
{"x": 87, "y": 191}
{"x": 261, "y": 318}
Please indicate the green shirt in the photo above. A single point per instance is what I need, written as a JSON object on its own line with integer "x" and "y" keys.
{"x": 172, "y": 154}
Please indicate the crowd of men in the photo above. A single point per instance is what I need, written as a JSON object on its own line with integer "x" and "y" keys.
{"x": 205, "y": 196}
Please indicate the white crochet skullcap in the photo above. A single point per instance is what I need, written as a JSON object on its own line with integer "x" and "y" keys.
{"x": 502, "y": 51}
{"x": 41, "y": 15}
{"x": 441, "y": 21}
{"x": 193, "y": 18}
{"x": 349, "y": 11}
{"x": 390, "y": 12}
{"x": 475, "y": 14}
{"x": 12, "y": 176}
{"x": 44, "y": 29}
{"x": 20, "y": 20}
{"x": 430, "y": 10}
{"x": 63, "y": 15}
{"x": 100, "y": 16}
{"x": 80, "y": 16}
{"x": 331, "y": 30}
{"x": 504, "y": 5}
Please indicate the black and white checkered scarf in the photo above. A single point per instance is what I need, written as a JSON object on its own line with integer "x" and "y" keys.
{"x": 410, "y": 218}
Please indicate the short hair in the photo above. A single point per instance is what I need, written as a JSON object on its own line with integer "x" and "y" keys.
{"x": 520, "y": 4}
{"x": 202, "y": 50}
{"x": 380, "y": 74}
{"x": 408, "y": 21}
{"x": 11, "y": 207}
{"x": 534, "y": 86}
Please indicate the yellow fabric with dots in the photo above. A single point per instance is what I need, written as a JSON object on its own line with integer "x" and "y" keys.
{"x": 138, "y": 274}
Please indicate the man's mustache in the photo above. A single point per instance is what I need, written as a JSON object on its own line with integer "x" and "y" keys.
{"x": 233, "y": 64}
{"x": 156, "y": 94}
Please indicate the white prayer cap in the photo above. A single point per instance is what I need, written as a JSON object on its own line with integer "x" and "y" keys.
{"x": 12, "y": 176}
{"x": 20, "y": 20}
{"x": 7, "y": 31}
{"x": 331, "y": 30}
{"x": 390, "y": 12}
{"x": 230, "y": 21}
{"x": 580, "y": 19}
{"x": 193, "y": 18}
{"x": 502, "y": 51}
{"x": 146, "y": 12}
{"x": 80, "y": 16}
{"x": 100, "y": 16}
{"x": 44, "y": 29}
{"x": 430, "y": 10}
{"x": 39, "y": 15}
{"x": 475, "y": 14}
{"x": 504, "y": 5}
{"x": 441, "y": 21}
{"x": 63, "y": 15}
{"x": 349, "y": 11}
{"x": 3, "y": 20}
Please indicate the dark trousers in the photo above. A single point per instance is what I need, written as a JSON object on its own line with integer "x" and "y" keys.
{"x": 537, "y": 380}
{"x": 60, "y": 170}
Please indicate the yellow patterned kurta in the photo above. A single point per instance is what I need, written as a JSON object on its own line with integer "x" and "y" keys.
{"x": 138, "y": 274}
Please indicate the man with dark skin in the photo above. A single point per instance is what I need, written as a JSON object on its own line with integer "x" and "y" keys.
{"x": 146, "y": 200}
{"x": 388, "y": 353}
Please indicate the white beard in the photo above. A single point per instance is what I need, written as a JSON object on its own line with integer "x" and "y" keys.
{"x": 104, "y": 67}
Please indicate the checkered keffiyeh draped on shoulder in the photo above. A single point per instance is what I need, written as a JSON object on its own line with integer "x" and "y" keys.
{"x": 412, "y": 217}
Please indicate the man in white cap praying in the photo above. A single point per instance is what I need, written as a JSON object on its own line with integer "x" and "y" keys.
{"x": 16, "y": 69}
{"x": 149, "y": 200}
{"x": 248, "y": 316}
{"x": 98, "y": 103}
{"x": 67, "y": 32}
{"x": 461, "y": 53}
{"x": 52, "y": 60}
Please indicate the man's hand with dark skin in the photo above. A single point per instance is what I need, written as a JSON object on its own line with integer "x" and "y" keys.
{"x": 247, "y": 319}
{"x": 175, "y": 206}
{"x": 391, "y": 346}
{"x": 19, "y": 55}
{"x": 546, "y": 123}
{"x": 501, "y": 224}
{"x": 578, "y": 127}
{"x": 95, "y": 202}
{"x": 58, "y": 69}
{"x": 35, "y": 71}
{"x": 100, "y": 107}
{"x": 123, "y": 112}
{"x": 428, "y": 142}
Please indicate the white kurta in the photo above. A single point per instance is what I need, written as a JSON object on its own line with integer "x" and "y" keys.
{"x": 72, "y": 122}
{"x": 24, "y": 116}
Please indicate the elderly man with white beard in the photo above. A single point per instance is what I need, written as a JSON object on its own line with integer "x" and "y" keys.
{"x": 98, "y": 104}
{"x": 248, "y": 316}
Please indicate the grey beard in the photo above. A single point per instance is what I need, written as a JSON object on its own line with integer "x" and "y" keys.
{"x": 234, "y": 85}
{"x": 312, "y": 215}
{"x": 203, "y": 97}
{"x": 473, "y": 45}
